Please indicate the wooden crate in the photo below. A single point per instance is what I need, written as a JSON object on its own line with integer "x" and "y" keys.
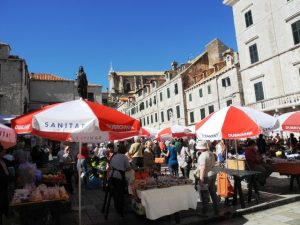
{"x": 236, "y": 164}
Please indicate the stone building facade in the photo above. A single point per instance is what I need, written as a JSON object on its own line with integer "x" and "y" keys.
{"x": 21, "y": 92}
{"x": 124, "y": 84}
{"x": 165, "y": 103}
{"x": 219, "y": 87}
{"x": 268, "y": 39}
{"x": 14, "y": 83}
{"x": 47, "y": 89}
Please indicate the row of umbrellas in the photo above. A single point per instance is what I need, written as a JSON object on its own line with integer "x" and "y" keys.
{"x": 84, "y": 121}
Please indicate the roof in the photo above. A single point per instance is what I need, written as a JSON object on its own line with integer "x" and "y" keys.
{"x": 44, "y": 76}
{"x": 94, "y": 85}
{"x": 2, "y": 43}
{"x": 141, "y": 73}
{"x": 123, "y": 99}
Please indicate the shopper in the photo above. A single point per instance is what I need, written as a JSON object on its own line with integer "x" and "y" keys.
{"x": 207, "y": 178}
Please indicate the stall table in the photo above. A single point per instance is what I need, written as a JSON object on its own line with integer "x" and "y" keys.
{"x": 160, "y": 202}
{"x": 40, "y": 212}
{"x": 238, "y": 176}
{"x": 290, "y": 168}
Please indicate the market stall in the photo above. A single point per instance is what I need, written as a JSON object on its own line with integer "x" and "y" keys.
{"x": 162, "y": 195}
{"x": 289, "y": 167}
{"x": 39, "y": 204}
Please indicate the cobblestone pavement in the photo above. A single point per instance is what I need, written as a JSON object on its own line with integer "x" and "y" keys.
{"x": 275, "y": 193}
{"x": 282, "y": 215}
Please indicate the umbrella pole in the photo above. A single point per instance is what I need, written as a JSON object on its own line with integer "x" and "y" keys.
{"x": 236, "y": 155}
{"x": 79, "y": 187}
{"x": 226, "y": 149}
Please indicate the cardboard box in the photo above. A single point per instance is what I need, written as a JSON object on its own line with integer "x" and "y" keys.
{"x": 235, "y": 164}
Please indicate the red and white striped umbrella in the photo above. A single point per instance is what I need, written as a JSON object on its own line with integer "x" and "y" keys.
{"x": 175, "y": 131}
{"x": 143, "y": 132}
{"x": 77, "y": 121}
{"x": 235, "y": 122}
{"x": 149, "y": 132}
{"x": 290, "y": 121}
{"x": 8, "y": 137}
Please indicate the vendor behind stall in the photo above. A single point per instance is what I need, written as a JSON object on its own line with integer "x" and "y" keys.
{"x": 68, "y": 167}
{"x": 119, "y": 164}
{"x": 25, "y": 171}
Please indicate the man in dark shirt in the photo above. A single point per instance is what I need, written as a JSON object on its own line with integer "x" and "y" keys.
{"x": 261, "y": 144}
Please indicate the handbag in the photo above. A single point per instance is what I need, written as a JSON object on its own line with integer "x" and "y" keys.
{"x": 187, "y": 157}
{"x": 224, "y": 187}
{"x": 160, "y": 160}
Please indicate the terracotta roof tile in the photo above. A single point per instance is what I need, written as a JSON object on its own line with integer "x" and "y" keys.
{"x": 44, "y": 76}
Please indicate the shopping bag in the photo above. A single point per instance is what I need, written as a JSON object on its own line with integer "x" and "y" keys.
{"x": 224, "y": 187}
{"x": 159, "y": 160}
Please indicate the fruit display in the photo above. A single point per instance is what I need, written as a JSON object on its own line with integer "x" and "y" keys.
{"x": 160, "y": 181}
{"x": 31, "y": 194}
{"x": 54, "y": 178}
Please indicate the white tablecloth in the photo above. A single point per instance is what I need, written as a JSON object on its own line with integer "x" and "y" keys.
{"x": 166, "y": 201}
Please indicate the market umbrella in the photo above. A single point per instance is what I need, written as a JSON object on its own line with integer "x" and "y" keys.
{"x": 175, "y": 131}
{"x": 290, "y": 121}
{"x": 8, "y": 137}
{"x": 76, "y": 121}
{"x": 149, "y": 132}
{"x": 235, "y": 122}
{"x": 123, "y": 136}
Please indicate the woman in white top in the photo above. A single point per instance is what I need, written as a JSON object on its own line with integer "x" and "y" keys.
{"x": 185, "y": 160}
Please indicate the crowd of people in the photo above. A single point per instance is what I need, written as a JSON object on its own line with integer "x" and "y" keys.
{"x": 108, "y": 163}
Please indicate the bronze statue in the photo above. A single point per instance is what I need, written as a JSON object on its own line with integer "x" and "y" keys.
{"x": 82, "y": 83}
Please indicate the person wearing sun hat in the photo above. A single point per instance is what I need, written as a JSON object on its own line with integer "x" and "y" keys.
{"x": 207, "y": 178}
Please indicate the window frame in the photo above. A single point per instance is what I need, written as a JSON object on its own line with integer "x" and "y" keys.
{"x": 226, "y": 82}
{"x": 229, "y": 101}
{"x": 162, "y": 117}
{"x": 168, "y": 93}
{"x": 202, "y": 110}
{"x": 200, "y": 92}
{"x": 176, "y": 89}
{"x": 248, "y": 18}
{"x": 253, "y": 53}
{"x": 190, "y": 97}
{"x": 168, "y": 114}
{"x": 209, "y": 109}
{"x": 178, "y": 111}
{"x": 257, "y": 97}
{"x": 192, "y": 117}
{"x": 296, "y": 32}
{"x": 209, "y": 89}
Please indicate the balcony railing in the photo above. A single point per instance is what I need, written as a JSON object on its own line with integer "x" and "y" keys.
{"x": 280, "y": 102}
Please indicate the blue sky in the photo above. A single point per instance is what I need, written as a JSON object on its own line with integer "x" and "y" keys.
{"x": 57, "y": 36}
